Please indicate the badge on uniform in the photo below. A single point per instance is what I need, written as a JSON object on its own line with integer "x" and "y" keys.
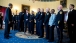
{"x": 41, "y": 13}
{"x": 47, "y": 13}
{"x": 58, "y": 22}
{"x": 22, "y": 13}
{"x": 60, "y": 12}
{"x": 26, "y": 19}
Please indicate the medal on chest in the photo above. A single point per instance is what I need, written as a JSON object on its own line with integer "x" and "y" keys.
{"x": 58, "y": 22}
{"x": 47, "y": 13}
{"x": 41, "y": 13}
{"x": 60, "y": 12}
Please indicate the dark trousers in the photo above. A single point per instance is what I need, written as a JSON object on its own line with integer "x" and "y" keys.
{"x": 15, "y": 26}
{"x": 18, "y": 26}
{"x": 12, "y": 26}
{"x": 72, "y": 33}
{"x": 26, "y": 25}
{"x": 7, "y": 29}
{"x": 21, "y": 26}
{"x": 51, "y": 33}
{"x": 31, "y": 26}
{"x": 37, "y": 27}
{"x": 47, "y": 30}
{"x": 60, "y": 33}
{"x": 1, "y": 23}
{"x": 41, "y": 28}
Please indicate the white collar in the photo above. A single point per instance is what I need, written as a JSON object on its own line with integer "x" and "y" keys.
{"x": 27, "y": 13}
{"x": 71, "y": 10}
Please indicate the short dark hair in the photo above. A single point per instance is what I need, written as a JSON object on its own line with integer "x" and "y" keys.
{"x": 53, "y": 10}
{"x": 72, "y": 5}
{"x": 10, "y": 4}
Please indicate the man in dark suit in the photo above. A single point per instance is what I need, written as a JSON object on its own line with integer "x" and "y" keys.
{"x": 1, "y": 20}
{"x": 21, "y": 20}
{"x": 26, "y": 21}
{"x": 8, "y": 21}
{"x": 37, "y": 22}
{"x": 46, "y": 21}
{"x": 60, "y": 23}
{"x": 72, "y": 24}
{"x": 41, "y": 21}
{"x": 31, "y": 22}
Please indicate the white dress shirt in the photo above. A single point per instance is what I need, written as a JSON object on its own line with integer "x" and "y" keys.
{"x": 66, "y": 17}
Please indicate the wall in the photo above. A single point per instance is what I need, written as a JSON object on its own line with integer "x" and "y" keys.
{"x": 34, "y": 6}
{"x": 70, "y": 2}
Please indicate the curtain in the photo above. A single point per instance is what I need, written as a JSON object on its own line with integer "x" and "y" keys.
{"x": 3, "y": 9}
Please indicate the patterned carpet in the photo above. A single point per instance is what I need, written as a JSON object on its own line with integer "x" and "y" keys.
{"x": 19, "y": 37}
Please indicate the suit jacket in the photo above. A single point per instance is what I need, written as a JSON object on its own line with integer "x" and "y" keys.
{"x": 16, "y": 18}
{"x": 26, "y": 17}
{"x": 21, "y": 16}
{"x": 47, "y": 16}
{"x": 8, "y": 16}
{"x": 32, "y": 17}
{"x": 12, "y": 17}
{"x": 37, "y": 15}
{"x": 41, "y": 17}
{"x": 71, "y": 17}
{"x": 59, "y": 21}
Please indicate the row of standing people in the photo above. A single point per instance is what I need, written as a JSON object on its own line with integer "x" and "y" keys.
{"x": 50, "y": 20}
{"x": 24, "y": 21}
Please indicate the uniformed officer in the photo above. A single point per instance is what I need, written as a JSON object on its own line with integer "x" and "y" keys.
{"x": 60, "y": 23}
{"x": 46, "y": 21}
{"x": 21, "y": 18}
{"x": 52, "y": 25}
{"x": 37, "y": 22}
{"x": 26, "y": 21}
{"x": 1, "y": 20}
{"x": 31, "y": 22}
{"x": 16, "y": 22}
{"x": 8, "y": 20}
{"x": 41, "y": 21}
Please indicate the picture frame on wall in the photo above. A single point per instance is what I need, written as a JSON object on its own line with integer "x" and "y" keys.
{"x": 63, "y": 3}
{"x": 26, "y": 7}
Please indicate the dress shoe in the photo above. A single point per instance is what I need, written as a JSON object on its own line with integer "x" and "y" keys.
{"x": 47, "y": 38}
{"x": 6, "y": 37}
{"x": 10, "y": 36}
{"x": 59, "y": 41}
{"x": 9, "y": 33}
{"x": 40, "y": 37}
{"x": 50, "y": 41}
